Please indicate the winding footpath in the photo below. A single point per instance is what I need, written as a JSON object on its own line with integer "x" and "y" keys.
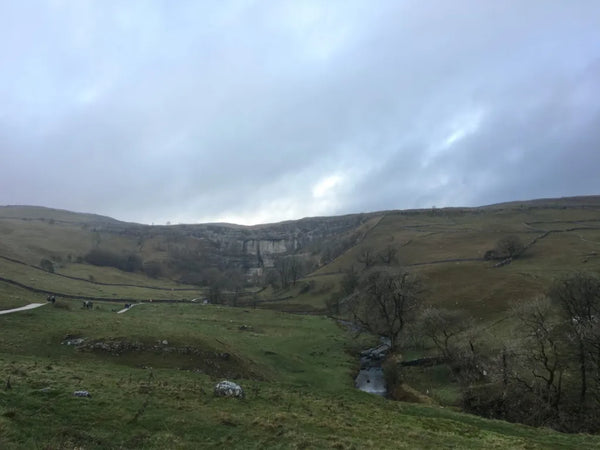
{"x": 37, "y": 305}
{"x": 23, "y": 308}
{"x": 124, "y": 310}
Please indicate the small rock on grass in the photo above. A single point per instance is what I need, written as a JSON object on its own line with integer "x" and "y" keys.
{"x": 82, "y": 394}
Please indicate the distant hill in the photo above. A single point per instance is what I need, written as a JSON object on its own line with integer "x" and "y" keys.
{"x": 589, "y": 201}
{"x": 445, "y": 245}
{"x": 49, "y": 214}
{"x": 448, "y": 247}
{"x": 184, "y": 253}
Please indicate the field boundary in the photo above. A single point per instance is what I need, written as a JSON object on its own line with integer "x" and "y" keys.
{"x": 16, "y": 261}
{"x": 87, "y": 297}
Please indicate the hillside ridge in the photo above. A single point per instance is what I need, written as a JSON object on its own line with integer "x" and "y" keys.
{"x": 43, "y": 212}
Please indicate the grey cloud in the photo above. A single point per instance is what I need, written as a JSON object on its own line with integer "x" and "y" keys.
{"x": 151, "y": 112}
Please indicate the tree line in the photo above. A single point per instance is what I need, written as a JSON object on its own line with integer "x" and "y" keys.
{"x": 544, "y": 372}
{"x": 548, "y": 373}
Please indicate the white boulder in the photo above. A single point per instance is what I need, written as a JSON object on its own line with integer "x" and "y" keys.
{"x": 228, "y": 389}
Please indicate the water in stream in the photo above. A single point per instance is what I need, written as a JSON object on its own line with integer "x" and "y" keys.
{"x": 370, "y": 377}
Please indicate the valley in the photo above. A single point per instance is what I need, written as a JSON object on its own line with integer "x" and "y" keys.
{"x": 258, "y": 305}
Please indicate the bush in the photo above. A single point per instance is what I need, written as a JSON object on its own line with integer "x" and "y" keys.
{"x": 490, "y": 254}
{"x": 105, "y": 258}
{"x": 516, "y": 403}
{"x": 509, "y": 246}
{"x": 153, "y": 269}
{"x": 47, "y": 265}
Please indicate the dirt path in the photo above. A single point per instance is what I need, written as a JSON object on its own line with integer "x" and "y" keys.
{"x": 23, "y": 308}
{"x": 127, "y": 309}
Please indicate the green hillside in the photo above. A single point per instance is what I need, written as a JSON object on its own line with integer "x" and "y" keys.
{"x": 153, "y": 387}
{"x": 151, "y": 371}
{"x": 447, "y": 246}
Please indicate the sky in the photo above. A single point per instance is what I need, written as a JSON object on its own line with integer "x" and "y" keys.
{"x": 260, "y": 111}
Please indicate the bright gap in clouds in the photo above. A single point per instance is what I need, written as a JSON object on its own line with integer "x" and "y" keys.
{"x": 326, "y": 186}
{"x": 462, "y": 126}
{"x": 292, "y": 206}
{"x": 453, "y": 131}
{"x": 287, "y": 205}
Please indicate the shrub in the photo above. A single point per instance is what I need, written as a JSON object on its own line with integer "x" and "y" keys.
{"x": 128, "y": 262}
{"x": 509, "y": 246}
{"x": 47, "y": 265}
{"x": 153, "y": 269}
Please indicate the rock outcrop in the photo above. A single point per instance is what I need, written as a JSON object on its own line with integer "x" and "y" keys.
{"x": 251, "y": 249}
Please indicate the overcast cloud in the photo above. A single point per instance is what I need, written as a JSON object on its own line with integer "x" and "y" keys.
{"x": 254, "y": 111}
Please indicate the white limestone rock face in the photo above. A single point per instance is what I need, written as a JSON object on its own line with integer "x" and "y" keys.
{"x": 228, "y": 389}
{"x": 268, "y": 246}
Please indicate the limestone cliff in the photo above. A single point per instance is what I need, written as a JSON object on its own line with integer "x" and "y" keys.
{"x": 253, "y": 247}
{"x": 178, "y": 250}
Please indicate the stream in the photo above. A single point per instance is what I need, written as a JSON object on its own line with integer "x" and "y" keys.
{"x": 370, "y": 377}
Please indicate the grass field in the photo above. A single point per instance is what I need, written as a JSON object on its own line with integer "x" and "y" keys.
{"x": 151, "y": 371}
{"x": 447, "y": 247}
{"x": 296, "y": 370}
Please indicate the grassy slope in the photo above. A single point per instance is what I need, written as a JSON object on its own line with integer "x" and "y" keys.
{"x": 51, "y": 282}
{"x": 51, "y": 214}
{"x": 422, "y": 239}
{"x": 295, "y": 370}
{"x": 425, "y": 239}
{"x": 30, "y": 234}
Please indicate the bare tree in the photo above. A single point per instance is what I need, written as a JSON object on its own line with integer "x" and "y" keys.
{"x": 348, "y": 286}
{"x": 234, "y": 281}
{"x": 444, "y": 327}
{"x": 282, "y": 266}
{"x": 271, "y": 278}
{"x": 387, "y": 301}
{"x": 47, "y": 265}
{"x": 544, "y": 353}
{"x": 349, "y": 281}
{"x": 290, "y": 269}
{"x": 296, "y": 268}
{"x": 214, "y": 280}
{"x": 579, "y": 299}
{"x": 388, "y": 255}
{"x": 367, "y": 257}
